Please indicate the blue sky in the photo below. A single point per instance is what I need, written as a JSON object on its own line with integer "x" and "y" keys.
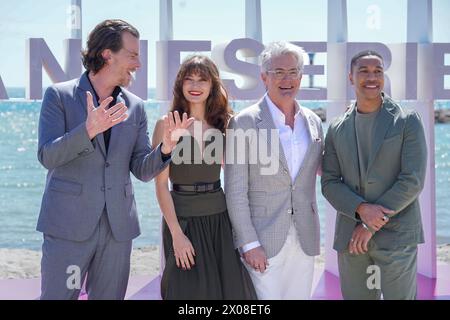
{"x": 218, "y": 21}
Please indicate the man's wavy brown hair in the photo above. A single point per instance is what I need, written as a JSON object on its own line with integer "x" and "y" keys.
{"x": 218, "y": 111}
{"x": 106, "y": 35}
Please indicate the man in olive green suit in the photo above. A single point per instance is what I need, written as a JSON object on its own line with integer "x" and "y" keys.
{"x": 373, "y": 172}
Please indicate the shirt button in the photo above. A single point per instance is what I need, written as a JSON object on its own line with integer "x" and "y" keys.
{"x": 107, "y": 164}
{"x": 102, "y": 188}
{"x": 289, "y": 211}
{"x": 293, "y": 188}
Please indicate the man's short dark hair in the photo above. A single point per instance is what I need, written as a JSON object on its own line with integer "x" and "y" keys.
{"x": 362, "y": 54}
{"x": 106, "y": 35}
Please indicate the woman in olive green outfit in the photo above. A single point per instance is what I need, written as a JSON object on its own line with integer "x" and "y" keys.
{"x": 201, "y": 261}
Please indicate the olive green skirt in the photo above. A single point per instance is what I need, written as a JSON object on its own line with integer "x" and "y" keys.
{"x": 218, "y": 273}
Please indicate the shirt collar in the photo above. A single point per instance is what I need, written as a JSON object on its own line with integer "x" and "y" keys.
{"x": 278, "y": 116}
{"x": 117, "y": 90}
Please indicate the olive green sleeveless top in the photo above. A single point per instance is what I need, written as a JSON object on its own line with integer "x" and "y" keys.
{"x": 188, "y": 166}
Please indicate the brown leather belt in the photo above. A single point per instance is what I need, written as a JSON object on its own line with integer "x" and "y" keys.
{"x": 197, "y": 187}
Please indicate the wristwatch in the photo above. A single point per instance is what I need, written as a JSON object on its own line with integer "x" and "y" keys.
{"x": 365, "y": 226}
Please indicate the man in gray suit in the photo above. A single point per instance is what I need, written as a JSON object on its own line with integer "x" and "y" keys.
{"x": 92, "y": 133}
{"x": 274, "y": 212}
{"x": 373, "y": 171}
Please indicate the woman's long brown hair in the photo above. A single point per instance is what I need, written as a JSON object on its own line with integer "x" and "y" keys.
{"x": 218, "y": 111}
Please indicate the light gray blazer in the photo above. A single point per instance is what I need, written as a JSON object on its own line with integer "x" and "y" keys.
{"x": 260, "y": 206}
{"x": 81, "y": 177}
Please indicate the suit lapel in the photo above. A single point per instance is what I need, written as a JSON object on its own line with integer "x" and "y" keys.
{"x": 84, "y": 86}
{"x": 266, "y": 122}
{"x": 382, "y": 123}
{"x": 349, "y": 138}
{"x": 313, "y": 134}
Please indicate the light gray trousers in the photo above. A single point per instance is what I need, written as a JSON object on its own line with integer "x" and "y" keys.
{"x": 101, "y": 260}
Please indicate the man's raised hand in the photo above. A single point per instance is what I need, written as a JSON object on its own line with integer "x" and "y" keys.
{"x": 101, "y": 119}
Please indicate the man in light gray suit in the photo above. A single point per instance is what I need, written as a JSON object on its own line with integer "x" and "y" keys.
{"x": 373, "y": 171}
{"x": 274, "y": 212}
{"x": 92, "y": 133}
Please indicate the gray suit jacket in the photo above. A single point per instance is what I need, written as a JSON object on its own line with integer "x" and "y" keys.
{"x": 82, "y": 179}
{"x": 261, "y": 206}
{"x": 395, "y": 174}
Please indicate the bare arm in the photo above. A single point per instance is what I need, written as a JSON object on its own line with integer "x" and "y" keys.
{"x": 184, "y": 252}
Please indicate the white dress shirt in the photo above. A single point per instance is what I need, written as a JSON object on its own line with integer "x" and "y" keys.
{"x": 293, "y": 141}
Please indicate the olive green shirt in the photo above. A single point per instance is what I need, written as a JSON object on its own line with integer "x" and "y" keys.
{"x": 364, "y": 126}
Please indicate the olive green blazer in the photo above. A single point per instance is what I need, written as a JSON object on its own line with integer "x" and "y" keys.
{"x": 395, "y": 174}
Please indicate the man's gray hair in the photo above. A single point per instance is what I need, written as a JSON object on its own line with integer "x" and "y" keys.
{"x": 280, "y": 48}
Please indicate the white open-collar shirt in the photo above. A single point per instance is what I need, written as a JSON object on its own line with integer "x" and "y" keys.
{"x": 294, "y": 141}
